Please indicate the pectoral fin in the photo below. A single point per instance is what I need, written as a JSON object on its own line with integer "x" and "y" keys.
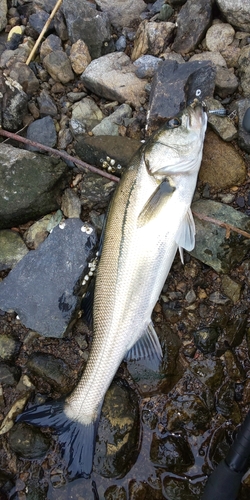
{"x": 155, "y": 203}
{"x": 148, "y": 346}
{"x": 185, "y": 237}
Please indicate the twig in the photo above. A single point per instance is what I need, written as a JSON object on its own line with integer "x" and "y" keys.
{"x": 81, "y": 164}
{"x": 58, "y": 4}
{"x": 228, "y": 227}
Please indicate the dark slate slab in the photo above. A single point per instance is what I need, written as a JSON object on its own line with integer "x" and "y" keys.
{"x": 176, "y": 85}
{"x": 42, "y": 288}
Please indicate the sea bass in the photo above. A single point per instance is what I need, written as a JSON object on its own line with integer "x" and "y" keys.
{"x": 149, "y": 218}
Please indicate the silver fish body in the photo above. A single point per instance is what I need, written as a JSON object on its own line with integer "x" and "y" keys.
{"x": 149, "y": 218}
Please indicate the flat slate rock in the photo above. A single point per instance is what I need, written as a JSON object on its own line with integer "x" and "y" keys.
{"x": 42, "y": 287}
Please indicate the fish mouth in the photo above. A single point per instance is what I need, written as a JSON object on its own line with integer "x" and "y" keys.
{"x": 197, "y": 114}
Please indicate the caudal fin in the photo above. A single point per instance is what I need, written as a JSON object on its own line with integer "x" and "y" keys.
{"x": 77, "y": 440}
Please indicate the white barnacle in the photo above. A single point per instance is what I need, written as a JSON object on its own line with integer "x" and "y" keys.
{"x": 83, "y": 282}
{"x": 198, "y": 92}
{"x": 112, "y": 161}
{"x": 62, "y": 225}
{"x": 83, "y": 229}
{"x": 108, "y": 158}
{"x": 86, "y": 277}
{"x": 89, "y": 230}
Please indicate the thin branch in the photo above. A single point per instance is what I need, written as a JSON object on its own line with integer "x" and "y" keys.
{"x": 58, "y": 4}
{"x": 228, "y": 227}
{"x": 82, "y": 165}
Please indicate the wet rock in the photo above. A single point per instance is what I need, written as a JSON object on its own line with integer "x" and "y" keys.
{"x": 205, "y": 339}
{"x": 226, "y": 83}
{"x": 12, "y": 249}
{"x": 222, "y": 166}
{"x": 47, "y": 268}
{"x": 14, "y": 104}
{"x": 79, "y": 56}
{"x": 58, "y": 66}
{"x": 43, "y": 131}
{"x": 122, "y": 13}
{"x": 235, "y": 328}
{"x": 244, "y": 70}
{"x": 28, "y": 442}
{"x": 233, "y": 367}
{"x": 113, "y": 77}
{"x": 231, "y": 289}
{"x": 189, "y": 412}
{"x": 71, "y": 205}
{"x": 219, "y": 36}
{"x": 51, "y": 369}
{"x": 218, "y": 298}
{"x": 22, "y": 74}
{"x": 30, "y": 184}
{"x": 46, "y": 105}
{"x": 50, "y": 44}
{"x": 118, "y": 437}
{"x": 95, "y": 191}
{"x": 175, "y": 84}
{"x": 236, "y": 13}
{"x": 94, "y": 149}
{"x": 223, "y": 126}
{"x": 152, "y": 38}
{"x": 140, "y": 490}
{"x": 172, "y": 452}
{"x": 214, "y": 57}
{"x": 111, "y": 124}
{"x": 208, "y": 371}
{"x": 9, "y": 375}
{"x": 37, "y": 232}
{"x": 115, "y": 493}
{"x": 176, "y": 489}
{"x": 8, "y": 347}
{"x": 225, "y": 403}
{"x": 87, "y": 113}
{"x": 85, "y": 23}
{"x": 246, "y": 120}
{"x": 212, "y": 245}
{"x": 146, "y": 66}
{"x": 244, "y": 135}
{"x": 192, "y": 22}
{"x": 3, "y": 14}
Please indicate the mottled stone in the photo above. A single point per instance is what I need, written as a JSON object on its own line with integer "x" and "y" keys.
{"x": 54, "y": 371}
{"x": 146, "y": 66}
{"x": 226, "y": 83}
{"x": 46, "y": 104}
{"x": 95, "y": 191}
{"x": 3, "y": 14}
{"x": 231, "y": 288}
{"x": 244, "y": 70}
{"x": 50, "y": 44}
{"x": 79, "y": 56}
{"x": 244, "y": 136}
{"x": 87, "y": 113}
{"x": 152, "y": 38}
{"x": 22, "y": 73}
{"x": 192, "y": 22}
{"x": 219, "y": 36}
{"x": 43, "y": 131}
{"x": 71, "y": 205}
{"x": 14, "y": 104}
{"x": 214, "y": 57}
{"x": 28, "y": 442}
{"x": 111, "y": 124}
{"x": 122, "y": 12}
{"x": 58, "y": 66}
{"x": 12, "y": 249}
{"x": 236, "y": 12}
{"x": 222, "y": 125}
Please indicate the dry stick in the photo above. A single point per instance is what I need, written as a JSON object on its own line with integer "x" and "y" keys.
{"x": 58, "y": 4}
{"x": 227, "y": 226}
{"x": 81, "y": 164}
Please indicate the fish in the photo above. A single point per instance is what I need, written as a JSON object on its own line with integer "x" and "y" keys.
{"x": 149, "y": 218}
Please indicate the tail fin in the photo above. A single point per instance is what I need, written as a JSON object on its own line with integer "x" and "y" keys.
{"x": 77, "y": 440}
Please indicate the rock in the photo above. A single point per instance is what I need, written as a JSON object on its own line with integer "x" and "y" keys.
{"x": 47, "y": 107}
{"x": 43, "y": 131}
{"x": 118, "y": 434}
{"x": 22, "y": 74}
{"x": 173, "y": 56}
{"x": 79, "y": 56}
{"x": 95, "y": 191}
{"x": 193, "y": 21}
{"x": 12, "y": 249}
{"x": 166, "y": 12}
{"x": 58, "y": 66}
{"x": 218, "y": 298}
{"x": 225, "y": 403}
{"x": 244, "y": 70}
{"x": 3, "y": 14}
{"x": 113, "y": 77}
{"x": 60, "y": 26}
{"x": 236, "y": 13}
{"x": 214, "y": 57}
{"x": 205, "y": 339}
{"x": 52, "y": 370}
{"x": 209, "y": 371}
{"x": 29, "y": 185}
{"x": 226, "y": 83}
{"x": 9, "y": 347}
{"x": 222, "y": 125}
{"x": 219, "y": 36}
{"x": 115, "y": 492}
{"x": 14, "y": 104}
{"x": 50, "y": 44}
{"x": 47, "y": 5}
{"x": 222, "y": 166}
{"x": 174, "y": 489}
{"x": 111, "y": 124}
{"x": 244, "y": 135}
{"x": 71, "y": 205}
{"x": 152, "y": 38}
{"x": 9, "y": 375}
{"x": 246, "y": 120}
{"x": 94, "y": 149}
{"x": 122, "y": 13}
{"x": 172, "y": 452}
{"x": 28, "y": 442}
{"x": 65, "y": 137}
{"x": 175, "y": 84}
{"x": 213, "y": 247}
{"x": 85, "y": 22}
{"x": 50, "y": 313}
{"x": 87, "y": 113}
{"x": 38, "y": 20}
{"x": 146, "y": 66}
{"x": 230, "y": 288}
{"x": 121, "y": 44}
{"x": 37, "y": 232}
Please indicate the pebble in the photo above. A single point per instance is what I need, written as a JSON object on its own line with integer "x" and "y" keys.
{"x": 79, "y": 57}
{"x": 146, "y": 66}
{"x": 8, "y": 347}
{"x": 121, "y": 43}
{"x": 219, "y": 36}
{"x": 246, "y": 120}
{"x": 28, "y": 442}
{"x": 12, "y": 249}
{"x": 112, "y": 123}
{"x": 46, "y": 104}
{"x": 223, "y": 126}
{"x": 87, "y": 113}
{"x": 192, "y": 22}
{"x": 152, "y": 38}
{"x": 58, "y": 66}
{"x": 42, "y": 130}
{"x": 70, "y": 205}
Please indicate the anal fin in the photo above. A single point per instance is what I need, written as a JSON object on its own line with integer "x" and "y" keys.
{"x": 148, "y": 346}
{"x": 185, "y": 237}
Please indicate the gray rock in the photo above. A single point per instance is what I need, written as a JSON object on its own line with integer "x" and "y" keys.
{"x": 65, "y": 137}
{"x": 146, "y": 66}
{"x": 47, "y": 5}
{"x": 46, "y": 104}
{"x": 172, "y": 452}
{"x": 213, "y": 247}
{"x": 87, "y": 113}
{"x": 223, "y": 126}
{"x": 226, "y": 83}
{"x": 8, "y": 347}
{"x": 71, "y": 205}
{"x": 205, "y": 339}
{"x": 50, "y": 44}
{"x": 122, "y": 12}
{"x": 9, "y": 375}
{"x": 95, "y": 191}
{"x": 28, "y": 442}
{"x": 43, "y": 131}
{"x": 3, "y": 14}
{"x": 37, "y": 232}
{"x": 14, "y": 104}
{"x": 12, "y": 249}
{"x": 193, "y": 21}
{"x": 113, "y": 77}
{"x": 24, "y": 75}
{"x": 58, "y": 66}
{"x": 110, "y": 125}
{"x": 152, "y": 38}
{"x": 236, "y": 12}
{"x": 60, "y": 26}
{"x": 166, "y": 12}
{"x": 54, "y": 371}
{"x": 29, "y": 185}
{"x": 214, "y": 57}
{"x": 43, "y": 286}
{"x": 244, "y": 136}
{"x": 231, "y": 288}
{"x": 244, "y": 70}
{"x": 121, "y": 43}
{"x": 85, "y": 23}
{"x": 175, "y": 84}
{"x": 38, "y": 20}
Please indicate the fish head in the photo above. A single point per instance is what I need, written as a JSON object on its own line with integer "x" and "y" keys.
{"x": 176, "y": 148}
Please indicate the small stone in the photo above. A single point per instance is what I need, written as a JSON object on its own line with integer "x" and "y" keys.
{"x": 79, "y": 56}
{"x": 8, "y": 347}
{"x": 111, "y": 124}
{"x": 192, "y": 22}
{"x": 152, "y": 38}
{"x": 24, "y": 75}
{"x": 71, "y": 205}
{"x": 121, "y": 43}
{"x": 226, "y": 83}
{"x": 12, "y": 249}
{"x": 28, "y": 442}
{"x": 9, "y": 375}
{"x": 50, "y": 44}
{"x": 58, "y": 66}
{"x": 246, "y": 120}
{"x": 46, "y": 104}
{"x": 219, "y": 36}
{"x": 222, "y": 125}
{"x": 87, "y": 113}
{"x": 43, "y": 131}
{"x": 218, "y": 298}
{"x": 53, "y": 370}
{"x": 38, "y": 20}
{"x": 231, "y": 289}
{"x": 205, "y": 339}
{"x": 166, "y": 12}
{"x": 190, "y": 297}
{"x": 172, "y": 452}
{"x": 215, "y": 58}
{"x": 146, "y": 66}
{"x": 37, "y": 232}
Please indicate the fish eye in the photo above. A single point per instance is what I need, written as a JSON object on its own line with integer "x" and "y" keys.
{"x": 173, "y": 122}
